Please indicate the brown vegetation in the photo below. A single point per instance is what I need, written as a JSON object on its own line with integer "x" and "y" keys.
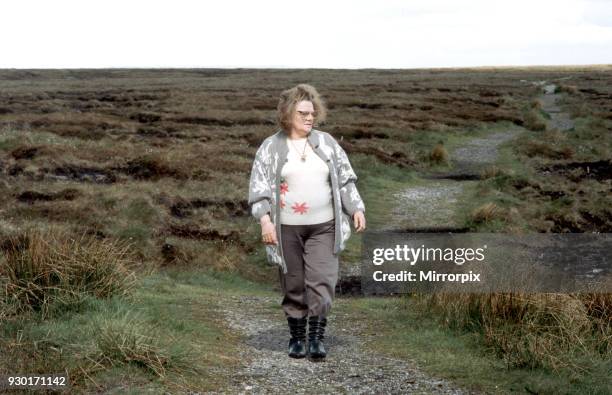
{"x": 438, "y": 154}
{"x": 51, "y": 269}
{"x": 487, "y": 212}
{"x": 533, "y": 330}
{"x": 534, "y": 120}
{"x": 148, "y": 155}
{"x": 159, "y": 160}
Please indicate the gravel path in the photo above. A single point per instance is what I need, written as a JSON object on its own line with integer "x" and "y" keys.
{"x": 434, "y": 204}
{"x": 349, "y": 368}
{"x": 558, "y": 119}
{"x": 482, "y": 151}
{"x": 429, "y": 206}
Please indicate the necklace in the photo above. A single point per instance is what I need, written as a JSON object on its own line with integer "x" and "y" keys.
{"x": 303, "y": 154}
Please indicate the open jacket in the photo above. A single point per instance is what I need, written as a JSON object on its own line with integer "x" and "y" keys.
{"x": 264, "y": 186}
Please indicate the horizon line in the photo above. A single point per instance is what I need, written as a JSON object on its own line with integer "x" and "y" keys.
{"x": 313, "y": 68}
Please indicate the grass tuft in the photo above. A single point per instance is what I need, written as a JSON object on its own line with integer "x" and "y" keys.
{"x": 47, "y": 269}
{"x": 128, "y": 339}
{"x": 439, "y": 154}
{"x": 487, "y": 213}
{"x": 533, "y": 330}
{"x": 534, "y": 120}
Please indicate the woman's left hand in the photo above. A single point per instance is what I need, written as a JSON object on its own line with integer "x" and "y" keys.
{"x": 359, "y": 221}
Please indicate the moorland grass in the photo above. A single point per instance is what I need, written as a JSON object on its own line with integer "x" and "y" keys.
{"x": 166, "y": 335}
{"x": 160, "y": 141}
{"x": 49, "y": 268}
{"x": 407, "y": 327}
{"x": 559, "y": 332}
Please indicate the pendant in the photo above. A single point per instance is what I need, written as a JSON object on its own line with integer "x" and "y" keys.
{"x": 303, "y": 158}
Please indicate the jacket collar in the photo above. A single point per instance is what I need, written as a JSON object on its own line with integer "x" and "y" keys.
{"x": 281, "y": 144}
{"x": 313, "y": 137}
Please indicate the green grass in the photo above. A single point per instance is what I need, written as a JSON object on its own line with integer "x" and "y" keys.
{"x": 377, "y": 183}
{"x": 171, "y": 316}
{"x": 402, "y": 331}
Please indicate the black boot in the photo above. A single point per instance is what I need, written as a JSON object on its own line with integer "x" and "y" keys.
{"x": 316, "y": 332}
{"x": 297, "y": 343}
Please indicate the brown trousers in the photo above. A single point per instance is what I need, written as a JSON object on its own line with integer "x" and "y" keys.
{"x": 312, "y": 269}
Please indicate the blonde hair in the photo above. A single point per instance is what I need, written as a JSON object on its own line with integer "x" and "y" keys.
{"x": 291, "y": 97}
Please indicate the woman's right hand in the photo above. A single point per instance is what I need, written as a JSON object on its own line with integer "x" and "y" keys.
{"x": 268, "y": 230}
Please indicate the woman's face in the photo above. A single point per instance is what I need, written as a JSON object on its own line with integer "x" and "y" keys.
{"x": 303, "y": 117}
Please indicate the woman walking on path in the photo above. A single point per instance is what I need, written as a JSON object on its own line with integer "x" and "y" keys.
{"x": 302, "y": 190}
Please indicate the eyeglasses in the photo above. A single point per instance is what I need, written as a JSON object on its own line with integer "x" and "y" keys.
{"x": 305, "y": 114}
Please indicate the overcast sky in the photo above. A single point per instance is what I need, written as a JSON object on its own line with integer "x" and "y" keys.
{"x": 304, "y": 34}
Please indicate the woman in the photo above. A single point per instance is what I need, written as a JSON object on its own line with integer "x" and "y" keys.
{"x": 302, "y": 190}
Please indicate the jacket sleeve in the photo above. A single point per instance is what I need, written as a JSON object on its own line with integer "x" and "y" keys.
{"x": 351, "y": 200}
{"x": 260, "y": 192}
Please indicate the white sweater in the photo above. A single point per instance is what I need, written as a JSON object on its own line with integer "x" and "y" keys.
{"x": 306, "y": 196}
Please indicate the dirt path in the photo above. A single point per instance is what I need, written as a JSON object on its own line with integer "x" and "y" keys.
{"x": 348, "y": 369}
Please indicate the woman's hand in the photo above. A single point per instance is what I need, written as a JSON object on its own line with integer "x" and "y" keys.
{"x": 359, "y": 221}
{"x": 268, "y": 230}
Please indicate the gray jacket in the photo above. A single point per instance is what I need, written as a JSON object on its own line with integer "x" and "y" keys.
{"x": 264, "y": 190}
